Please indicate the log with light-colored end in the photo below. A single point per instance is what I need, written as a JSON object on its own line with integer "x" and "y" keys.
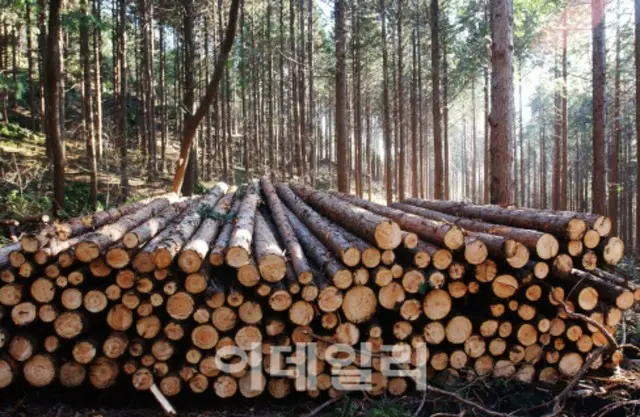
{"x": 180, "y": 306}
{"x": 413, "y": 281}
{"x": 475, "y": 251}
{"x": 391, "y": 296}
{"x": 570, "y": 364}
{"x": 359, "y": 304}
{"x": 39, "y": 371}
{"x": 504, "y": 286}
{"x": 437, "y": 304}
{"x": 527, "y": 334}
{"x": 458, "y": 329}
{"x": 475, "y": 346}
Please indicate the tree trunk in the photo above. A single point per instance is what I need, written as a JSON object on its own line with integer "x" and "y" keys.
{"x": 402, "y": 179}
{"x": 386, "y": 123}
{"x": 435, "y": 85}
{"x": 51, "y": 79}
{"x": 564, "y": 125}
{"x": 615, "y": 142}
{"x": 163, "y": 102}
{"x": 192, "y": 121}
{"x": 341, "y": 97}
{"x": 415, "y": 181}
{"x": 97, "y": 62}
{"x": 87, "y": 106}
{"x": 599, "y": 191}
{"x": 637, "y": 59}
{"x": 32, "y": 93}
{"x": 501, "y": 117}
{"x": 122, "y": 122}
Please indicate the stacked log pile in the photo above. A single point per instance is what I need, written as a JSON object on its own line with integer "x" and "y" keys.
{"x": 154, "y": 292}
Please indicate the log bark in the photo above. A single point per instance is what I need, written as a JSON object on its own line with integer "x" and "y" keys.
{"x": 294, "y": 249}
{"x": 93, "y": 245}
{"x": 196, "y": 249}
{"x": 438, "y": 233}
{"x": 564, "y": 225}
{"x": 545, "y": 245}
{"x": 166, "y": 251}
{"x": 241, "y": 238}
{"x": 381, "y": 231}
{"x": 334, "y": 269}
{"x": 269, "y": 256}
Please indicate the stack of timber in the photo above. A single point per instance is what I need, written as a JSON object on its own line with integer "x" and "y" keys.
{"x": 152, "y": 293}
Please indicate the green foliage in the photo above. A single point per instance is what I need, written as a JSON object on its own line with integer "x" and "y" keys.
{"x": 17, "y": 203}
{"x": 386, "y": 408}
{"x": 200, "y": 188}
{"x": 345, "y": 407}
{"x": 14, "y": 131}
{"x": 76, "y": 201}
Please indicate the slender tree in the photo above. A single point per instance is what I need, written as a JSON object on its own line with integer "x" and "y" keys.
{"x": 636, "y": 4}
{"x": 51, "y": 80}
{"x": 599, "y": 191}
{"x": 501, "y": 117}
{"x": 435, "y": 94}
{"x": 192, "y": 121}
{"x": 341, "y": 96}
{"x": 386, "y": 123}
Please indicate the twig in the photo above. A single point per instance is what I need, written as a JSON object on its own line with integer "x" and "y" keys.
{"x": 424, "y": 398}
{"x": 322, "y": 406}
{"x": 465, "y": 401}
{"x": 162, "y": 400}
{"x": 609, "y": 408}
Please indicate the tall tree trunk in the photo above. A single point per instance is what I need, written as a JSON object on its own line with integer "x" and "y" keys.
{"x": 636, "y": 4}
{"x": 386, "y": 123}
{"x": 280, "y": 145}
{"x": 487, "y": 145}
{"x": 211, "y": 92}
{"x": 163, "y": 101}
{"x": 62, "y": 94}
{"x": 87, "y": 105}
{"x": 357, "y": 110}
{"x": 435, "y": 79}
{"x": 599, "y": 191}
{"x": 615, "y": 142}
{"x": 188, "y": 187}
{"x": 312, "y": 110}
{"x": 122, "y": 123}
{"x": 32, "y": 92}
{"x": 557, "y": 141}
{"x": 521, "y": 133}
{"x": 341, "y": 97}
{"x": 474, "y": 172}
{"x": 563, "y": 99}
{"x": 301, "y": 95}
{"x": 543, "y": 161}
{"x": 42, "y": 36}
{"x": 52, "y": 76}
{"x": 445, "y": 119}
{"x": 273, "y": 164}
{"x": 501, "y": 117}
{"x": 401, "y": 140}
{"x": 97, "y": 63}
{"x": 414, "y": 114}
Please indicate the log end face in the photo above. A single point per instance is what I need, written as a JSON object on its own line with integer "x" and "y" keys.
{"x": 576, "y": 229}
{"x": 613, "y": 251}
{"x": 603, "y": 226}
{"x": 162, "y": 258}
{"x": 520, "y": 256}
{"x": 359, "y": 304}
{"x": 371, "y": 257}
{"x": 454, "y": 238}
{"x": 351, "y": 257}
{"x": 547, "y": 246}
{"x": 86, "y": 251}
{"x": 272, "y": 268}
{"x": 388, "y": 235}
{"x": 476, "y": 252}
{"x": 189, "y": 261}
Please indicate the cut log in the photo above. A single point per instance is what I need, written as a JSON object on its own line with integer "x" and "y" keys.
{"x": 381, "y": 231}
{"x": 166, "y": 251}
{"x": 195, "y": 251}
{"x": 39, "y": 371}
{"x": 93, "y": 245}
{"x": 331, "y": 235}
{"x": 269, "y": 256}
{"x": 561, "y": 224}
{"x": 339, "y": 274}
{"x": 149, "y": 229}
{"x": 544, "y": 245}
{"x": 359, "y": 304}
{"x": 438, "y": 233}
{"x": 240, "y": 241}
